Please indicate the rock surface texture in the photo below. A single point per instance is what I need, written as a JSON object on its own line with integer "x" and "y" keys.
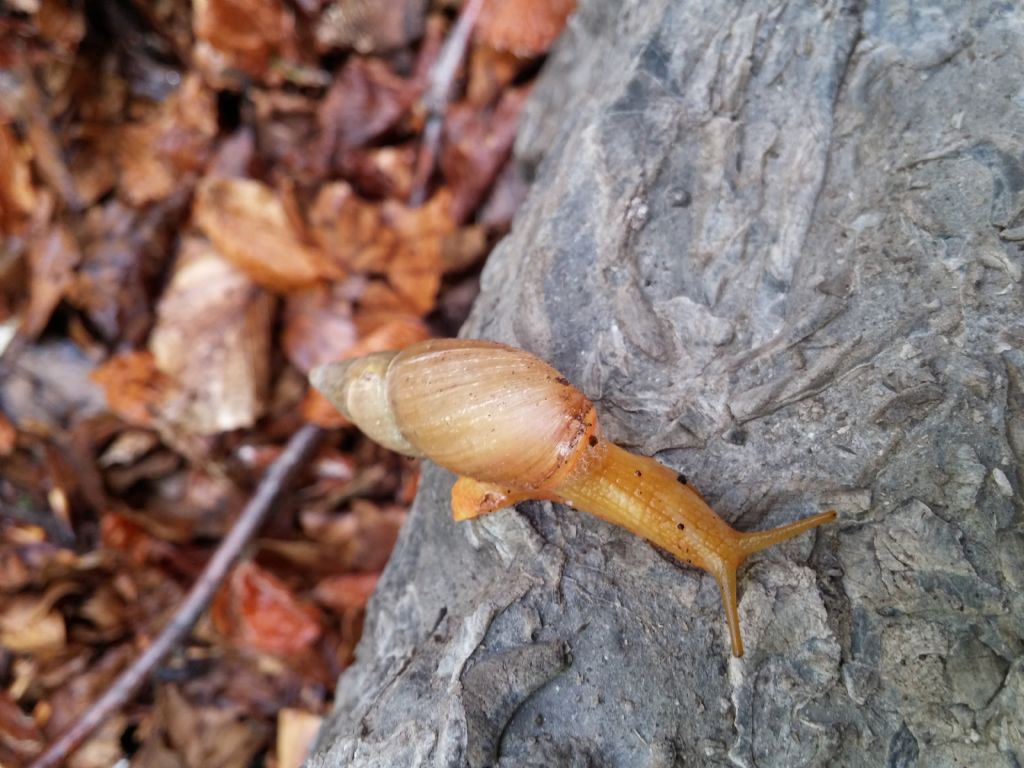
{"x": 780, "y": 245}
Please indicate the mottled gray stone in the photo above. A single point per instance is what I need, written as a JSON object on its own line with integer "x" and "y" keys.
{"x": 779, "y": 244}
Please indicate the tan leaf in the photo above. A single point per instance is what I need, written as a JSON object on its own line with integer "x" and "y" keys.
{"x": 524, "y": 27}
{"x": 212, "y": 338}
{"x": 250, "y": 227}
{"x": 296, "y": 731}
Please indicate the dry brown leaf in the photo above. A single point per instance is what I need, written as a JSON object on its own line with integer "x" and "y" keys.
{"x": 212, "y": 338}
{"x": 103, "y": 748}
{"x": 477, "y": 146}
{"x": 380, "y": 172}
{"x": 296, "y": 732}
{"x": 362, "y": 539}
{"x": 124, "y": 252}
{"x": 154, "y": 154}
{"x": 257, "y": 610}
{"x": 524, "y": 27}
{"x": 215, "y": 736}
{"x": 8, "y": 437}
{"x": 62, "y": 24}
{"x": 250, "y": 227}
{"x": 366, "y": 101}
{"x": 350, "y": 230}
{"x": 370, "y": 26}
{"x": 490, "y": 72}
{"x": 318, "y": 326}
{"x": 346, "y": 592}
{"x": 247, "y": 33}
{"x": 17, "y": 196}
{"x": 19, "y": 735}
{"x": 31, "y": 624}
{"x": 134, "y": 387}
{"x": 53, "y": 256}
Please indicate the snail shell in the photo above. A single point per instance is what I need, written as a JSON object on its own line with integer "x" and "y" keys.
{"x": 478, "y": 408}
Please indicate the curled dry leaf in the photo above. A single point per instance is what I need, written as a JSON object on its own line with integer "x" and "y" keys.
{"x": 31, "y": 623}
{"x": 213, "y": 735}
{"x": 8, "y": 436}
{"x": 257, "y": 610}
{"x": 250, "y": 227}
{"x": 524, "y": 27}
{"x": 135, "y": 388}
{"x": 212, "y": 338}
{"x": 390, "y": 239}
{"x": 153, "y": 155}
{"x": 296, "y": 732}
{"x": 53, "y": 256}
{"x": 17, "y": 197}
{"x": 246, "y": 33}
{"x": 370, "y": 26}
{"x": 380, "y": 172}
{"x": 365, "y": 102}
{"x": 124, "y": 252}
{"x": 20, "y": 737}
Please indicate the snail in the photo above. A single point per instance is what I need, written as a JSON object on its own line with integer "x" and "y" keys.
{"x": 514, "y": 429}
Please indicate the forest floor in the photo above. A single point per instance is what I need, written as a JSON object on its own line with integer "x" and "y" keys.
{"x": 200, "y": 202}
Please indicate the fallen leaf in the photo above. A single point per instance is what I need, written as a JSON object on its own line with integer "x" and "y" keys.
{"x": 214, "y": 736}
{"x": 525, "y": 27}
{"x": 477, "y": 145}
{"x": 257, "y": 610}
{"x": 366, "y": 101}
{"x": 361, "y": 539}
{"x": 8, "y": 436}
{"x": 347, "y": 592}
{"x": 249, "y": 226}
{"x": 19, "y": 733}
{"x": 296, "y": 732}
{"x": 318, "y": 326}
{"x": 370, "y": 26}
{"x": 135, "y": 388}
{"x": 380, "y": 172}
{"x": 31, "y": 624}
{"x": 212, "y": 339}
{"x": 53, "y": 256}
{"x": 247, "y": 33}
{"x": 350, "y": 230}
{"x": 17, "y": 196}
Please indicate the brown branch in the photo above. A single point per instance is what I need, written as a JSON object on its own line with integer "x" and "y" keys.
{"x": 435, "y": 99}
{"x": 301, "y": 445}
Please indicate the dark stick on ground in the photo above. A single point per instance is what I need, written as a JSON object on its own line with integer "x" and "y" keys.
{"x": 299, "y": 448}
{"x": 435, "y": 99}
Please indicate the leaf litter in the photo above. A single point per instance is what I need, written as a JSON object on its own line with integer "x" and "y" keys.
{"x": 201, "y": 201}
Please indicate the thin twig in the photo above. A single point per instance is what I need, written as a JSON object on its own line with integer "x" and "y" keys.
{"x": 435, "y": 100}
{"x": 301, "y": 445}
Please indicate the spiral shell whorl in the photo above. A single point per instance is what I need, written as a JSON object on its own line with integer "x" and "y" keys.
{"x": 358, "y": 388}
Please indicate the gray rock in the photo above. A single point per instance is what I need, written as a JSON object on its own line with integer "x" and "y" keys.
{"x": 779, "y": 245}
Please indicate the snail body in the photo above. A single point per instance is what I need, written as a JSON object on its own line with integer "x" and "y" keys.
{"x": 514, "y": 429}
